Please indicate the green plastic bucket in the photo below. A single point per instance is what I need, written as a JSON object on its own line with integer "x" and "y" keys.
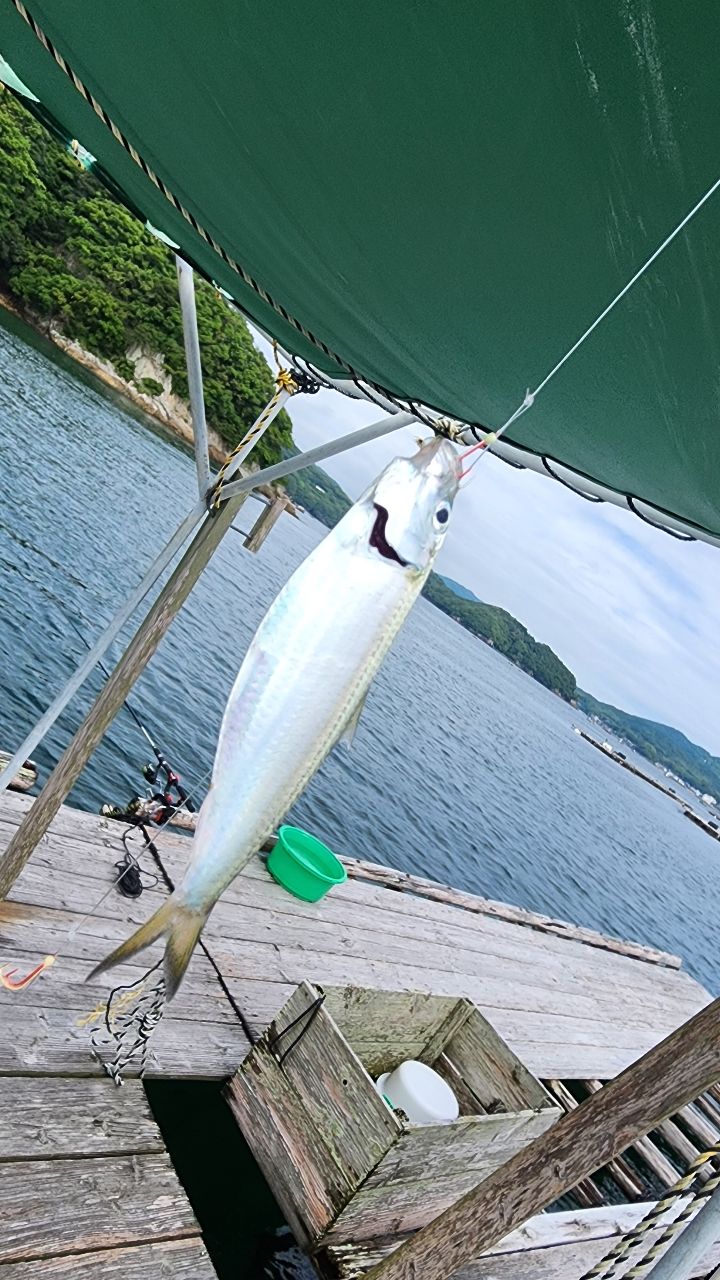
{"x": 303, "y": 865}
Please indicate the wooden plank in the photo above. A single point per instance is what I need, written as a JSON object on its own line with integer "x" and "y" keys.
{"x": 619, "y": 1168}
{"x": 545, "y": 1234}
{"x": 550, "y": 962}
{"x": 528, "y": 1009}
{"x": 48, "y": 886}
{"x": 468, "y": 1102}
{"x": 565, "y": 1008}
{"x": 472, "y": 1142}
{"x": 569, "y": 952}
{"x": 493, "y": 1072}
{"x": 658, "y": 1164}
{"x": 50, "y": 1207}
{"x": 667, "y": 1078}
{"x": 342, "y": 1105}
{"x": 40, "y": 1042}
{"x": 586, "y": 1190}
{"x": 264, "y": 523}
{"x": 200, "y": 1036}
{"x": 166, "y": 1260}
{"x": 567, "y": 1054}
{"x": 385, "y": 876}
{"x": 684, "y": 1151}
{"x": 704, "y": 1131}
{"x": 401, "y": 880}
{"x": 709, "y": 1109}
{"x": 524, "y": 944}
{"x": 429, "y": 1168}
{"x": 308, "y": 1180}
{"x": 26, "y": 776}
{"x": 47, "y": 1117}
{"x": 454, "y": 1021}
{"x": 383, "y": 1211}
{"x": 555, "y": 1262}
{"x": 386, "y": 1027}
{"x": 541, "y": 1232}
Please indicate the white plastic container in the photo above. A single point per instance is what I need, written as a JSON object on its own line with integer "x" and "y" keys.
{"x": 420, "y": 1092}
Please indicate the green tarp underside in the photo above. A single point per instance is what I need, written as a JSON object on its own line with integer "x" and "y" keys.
{"x": 444, "y": 194}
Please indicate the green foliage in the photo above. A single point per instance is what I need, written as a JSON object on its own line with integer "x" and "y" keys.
{"x": 76, "y": 258}
{"x": 22, "y": 194}
{"x": 504, "y": 633}
{"x": 659, "y": 743}
{"x": 150, "y": 386}
{"x": 314, "y": 490}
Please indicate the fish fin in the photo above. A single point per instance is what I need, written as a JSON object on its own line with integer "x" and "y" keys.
{"x": 184, "y": 932}
{"x": 183, "y": 926}
{"x": 348, "y": 734}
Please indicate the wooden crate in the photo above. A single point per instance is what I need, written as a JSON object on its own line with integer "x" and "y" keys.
{"x": 342, "y": 1165}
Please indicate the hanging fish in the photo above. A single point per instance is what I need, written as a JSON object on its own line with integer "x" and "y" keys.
{"x": 303, "y": 682}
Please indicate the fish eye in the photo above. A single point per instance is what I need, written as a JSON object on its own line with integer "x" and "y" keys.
{"x": 442, "y": 515}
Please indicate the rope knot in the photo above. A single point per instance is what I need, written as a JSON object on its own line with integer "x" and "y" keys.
{"x": 285, "y": 381}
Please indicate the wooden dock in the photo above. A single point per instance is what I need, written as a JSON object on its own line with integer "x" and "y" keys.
{"x": 87, "y": 1190}
{"x": 576, "y": 1007}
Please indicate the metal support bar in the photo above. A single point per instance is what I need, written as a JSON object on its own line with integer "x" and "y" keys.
{"x": 286, "y": 468}
{"x": 186, "y": 289}
{"x": 115, "y": 691}
{"x": 102, "y": 644}
{"x": 678, "y": 1262}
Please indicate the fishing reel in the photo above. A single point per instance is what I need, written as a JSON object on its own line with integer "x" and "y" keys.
{"x": 150, "y": 773}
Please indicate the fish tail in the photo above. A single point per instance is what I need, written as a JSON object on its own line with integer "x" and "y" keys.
{"x": 182, "y": 925}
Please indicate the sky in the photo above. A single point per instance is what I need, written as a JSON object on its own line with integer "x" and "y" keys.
{"x": 634, "y": 613}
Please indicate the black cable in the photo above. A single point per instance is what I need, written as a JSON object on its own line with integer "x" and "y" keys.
{"x": 311, "y": 1014}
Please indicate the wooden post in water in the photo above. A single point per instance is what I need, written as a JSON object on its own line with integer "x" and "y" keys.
{"x": 264, "y": 523}
{"x": 108, "y": 703}
{"x": 659, "y": 1084}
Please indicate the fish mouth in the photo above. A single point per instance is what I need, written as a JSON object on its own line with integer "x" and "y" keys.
{"x": 378, "y": 539}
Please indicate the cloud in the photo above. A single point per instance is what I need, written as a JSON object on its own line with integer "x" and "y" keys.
{"x": 633, "y": 613}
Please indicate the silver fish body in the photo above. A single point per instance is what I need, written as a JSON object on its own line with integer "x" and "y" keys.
{"x": 304, "y": 678}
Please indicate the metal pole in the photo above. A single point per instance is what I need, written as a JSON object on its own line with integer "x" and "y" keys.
{"x": 102, "y": 644}
{"x": 678, "y": 1262}
{"x": 186, "y": 288}
{"x": 286, "y": 468}
{"x": 108, "y": 703}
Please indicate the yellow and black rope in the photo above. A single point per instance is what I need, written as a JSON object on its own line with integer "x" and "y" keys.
{"x": 688, "y": 1184}
{"x": 285, "y": 384}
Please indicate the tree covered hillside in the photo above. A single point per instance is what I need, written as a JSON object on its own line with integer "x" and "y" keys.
{"x": 659, "y": 743}
{"x": 500, "y": 629}
{"x": 73, "y": 256}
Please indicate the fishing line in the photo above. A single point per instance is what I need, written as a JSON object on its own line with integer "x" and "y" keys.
{"x": 172, "y": 777}
{"x": 531, "y": 396}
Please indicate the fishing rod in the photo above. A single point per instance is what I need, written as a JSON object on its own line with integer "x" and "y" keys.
{"x": 150, "y": 772}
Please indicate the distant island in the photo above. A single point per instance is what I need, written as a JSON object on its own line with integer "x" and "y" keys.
{"x": 659, "y": 743}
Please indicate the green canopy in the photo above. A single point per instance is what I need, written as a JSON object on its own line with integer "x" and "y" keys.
{"x": 438, "y": 197}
